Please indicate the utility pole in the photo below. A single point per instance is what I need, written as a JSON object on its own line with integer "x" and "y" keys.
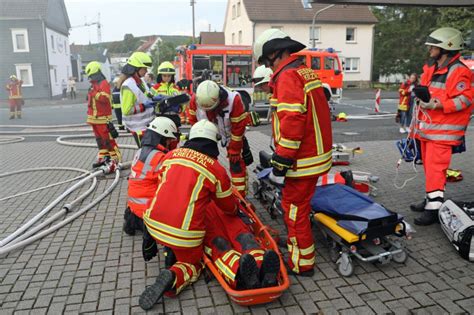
{"x": 194, "y": 29}
{"x": 314, "y": 20}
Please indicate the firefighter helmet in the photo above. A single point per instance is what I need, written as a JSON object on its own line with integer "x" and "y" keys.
{"x": 204, "y": 129}
{"x": 166, "y": 68}
{"x": 207, "y": 95}
{"x": 272, "y": 40}
{"x": 262, "y": 75}
{"x": 92, "y": 68}
{"x": 447, "y": 38}
{"x": 342, "y": 117}
{"x": 13, "y": 77}
{"x": 164, "y": 127}
{"x": 140, "y": 60}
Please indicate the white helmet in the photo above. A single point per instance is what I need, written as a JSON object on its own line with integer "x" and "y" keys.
{"x": 207, "y": 95}
{"x": 272, "y": 40}
{"x": 447, "y": 38}
{"x": 164, "y": 127}
{"x": 262, "y": 75}
{"x": 204, "y": 129}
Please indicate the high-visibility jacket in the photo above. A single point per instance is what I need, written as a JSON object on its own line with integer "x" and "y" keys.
{"x": 99, "y": 109}
{"x": 301, "y": 119}
{"x": 165, "y": 88}
{"x": 190, "y": 180}
{"x": 452, "y": 86}
{"x": 133, "y": 94}
{"x": 230, "y": 117}
{"x": 14, "y": 89}
{"x": 404, "y": 92}
{"x": 143, "y": 179}
{"x": 116, "y": 98}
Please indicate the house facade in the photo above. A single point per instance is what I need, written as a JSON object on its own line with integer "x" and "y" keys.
{"x": 347, "y": 29}
{"x": 36, "y": 46}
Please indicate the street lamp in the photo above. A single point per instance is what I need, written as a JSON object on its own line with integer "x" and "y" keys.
{"x": 194, "y": 34}
{"x": 314, "y": 20}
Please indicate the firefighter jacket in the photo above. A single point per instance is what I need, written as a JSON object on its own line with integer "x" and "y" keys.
{"x": 14, "y": 89}
{"x": 190, "y": 180}
{"x": 301, "y": 119}
{"x": 451, "y": 85}
{"x": 143, "y": 178}
{"x": 99, "y": 109}
{"x": 133, "y": 94}
{"x": 164, "y": 88}
{"x": 404, "y": 92}
{"x": 230, "y": 117}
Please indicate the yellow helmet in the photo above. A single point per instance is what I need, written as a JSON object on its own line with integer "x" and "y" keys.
{"x": 342, "y": 116}
{"x": 207, "y": 95}
{"x": 166, "y": 68}
{"x": 140, "y": 60}
{"x": 92, "y": 68}
{"x": 13, "y": 77}
{"x": 447, "y": 38}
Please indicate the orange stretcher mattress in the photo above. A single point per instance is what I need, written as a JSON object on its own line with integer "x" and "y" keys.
{"x": 263, "y": 236}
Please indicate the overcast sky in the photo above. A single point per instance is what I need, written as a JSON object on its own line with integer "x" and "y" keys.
{"x": 142, "y": 17}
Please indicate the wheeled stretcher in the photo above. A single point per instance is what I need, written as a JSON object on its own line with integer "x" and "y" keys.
{"x": 266, "y": 241}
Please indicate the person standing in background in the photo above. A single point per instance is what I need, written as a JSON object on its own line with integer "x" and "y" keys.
{"x": 64, "y": 89}
{"x": 15, "y": 98}
{"x": 71, "y": 87}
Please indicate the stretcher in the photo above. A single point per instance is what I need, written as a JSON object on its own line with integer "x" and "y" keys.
{"x": 263, "y": 234}
{"x": 356, "y": 226}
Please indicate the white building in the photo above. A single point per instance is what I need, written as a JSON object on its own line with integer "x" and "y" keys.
{"x": 59, "y": 60}
{"x": 347, "y": 29}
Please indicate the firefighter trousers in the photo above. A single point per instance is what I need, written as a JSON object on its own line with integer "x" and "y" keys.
{"x": 15, "y": 107}
{"x": 187, "y": 268}
{"x": 296, "y": 196}
{"x": 436, "y": 159}
{"x": 239, "y": 177}
{"x": 227, "y": 238}
{"x": 106, "y": 144}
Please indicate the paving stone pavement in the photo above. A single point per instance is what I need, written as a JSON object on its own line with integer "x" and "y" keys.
{"x": 90, "y": 266}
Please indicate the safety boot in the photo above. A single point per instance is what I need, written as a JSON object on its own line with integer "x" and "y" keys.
{"x": 419, "y": 207}
{"x": 18, "y": 114}
{"x": 12, "y": 115}
{"x": 270, "y": 269}
{"x": 247, "y": 277}
{"x": 428, "y": 217}
{"x": 153, "y": 293}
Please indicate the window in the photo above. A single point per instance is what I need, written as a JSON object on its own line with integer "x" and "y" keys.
{"x": 315, "y": 33}
{"x": 351, "y": 65}
{"x": 240, "y": 37}
{"x": 20, "y": 40}
{"x": 233, "y": 38}
{"x": 65, "y": 47}
{"x": 238, "y": 8}
{"x": 55, "y": 75}
{"x": 316, "y": 63}
{"x": 350, "y": 34}
{"x": 239, "y": 71}
{"x": 52, "y": 43}
{"x": 233, "y": 11}
{"x": 23, "y": 72}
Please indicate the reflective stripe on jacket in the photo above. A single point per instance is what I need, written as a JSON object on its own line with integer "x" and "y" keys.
{"x": 301, "y": 119}
{"x": 14, "y": 89}
{"x": 165, "y": 88}
{"x": 135, "y": 116}
{"x": 99, "y": 109}
{"x": 451, "y": 85}
{"x": 143, "y": 179}
{"x": 189, "y": 181}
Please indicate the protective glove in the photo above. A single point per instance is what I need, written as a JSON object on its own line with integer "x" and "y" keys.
{"x": 254, "y": 118}
{"x": 149, "y": 104}
{"x": 280, "y": 166}
{"x": 149, "y": 247}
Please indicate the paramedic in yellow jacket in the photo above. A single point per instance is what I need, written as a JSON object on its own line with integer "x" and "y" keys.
{"x": 166, "y": 84}
{"x": 138, "y": 109}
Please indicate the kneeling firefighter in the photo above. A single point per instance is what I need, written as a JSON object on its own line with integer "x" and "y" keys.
{"x": 99, "y": 115}
{"x": 137, "y": 108}
{"x": 179, "y": 222}
{"x": 225, "y": 108}
{"x": 143, "y": 180}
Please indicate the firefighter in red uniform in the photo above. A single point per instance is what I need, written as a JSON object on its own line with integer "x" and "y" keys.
{"x": 302, "y": 137}
{"x": 225, "y": 108}
{"x": 99, "y": 115}
{"x": 143, "y": 180}
{"x": 443, "y": 120}
{"x": 15, "y": 98}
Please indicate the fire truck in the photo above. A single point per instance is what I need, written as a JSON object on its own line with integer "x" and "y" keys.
{"x": 233, "y": 66}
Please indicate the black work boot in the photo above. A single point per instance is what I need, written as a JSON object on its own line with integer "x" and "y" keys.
{"x": 153, "y": 293}
{"x": 348, "y": 177}
{"x": 270, "y": 269}
{"x": 247, "y": 277}
{"x": 428, "y": 217}
{"x": 419, "y": 207}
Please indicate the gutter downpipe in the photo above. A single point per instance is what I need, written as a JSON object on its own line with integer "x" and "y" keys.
{"x": 314, "y": 20}
{"x": 45, "y": 44}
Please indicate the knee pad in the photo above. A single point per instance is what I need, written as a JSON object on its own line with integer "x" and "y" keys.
{"x": 247, "y": 241}
{"x": 221, "y": 243}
